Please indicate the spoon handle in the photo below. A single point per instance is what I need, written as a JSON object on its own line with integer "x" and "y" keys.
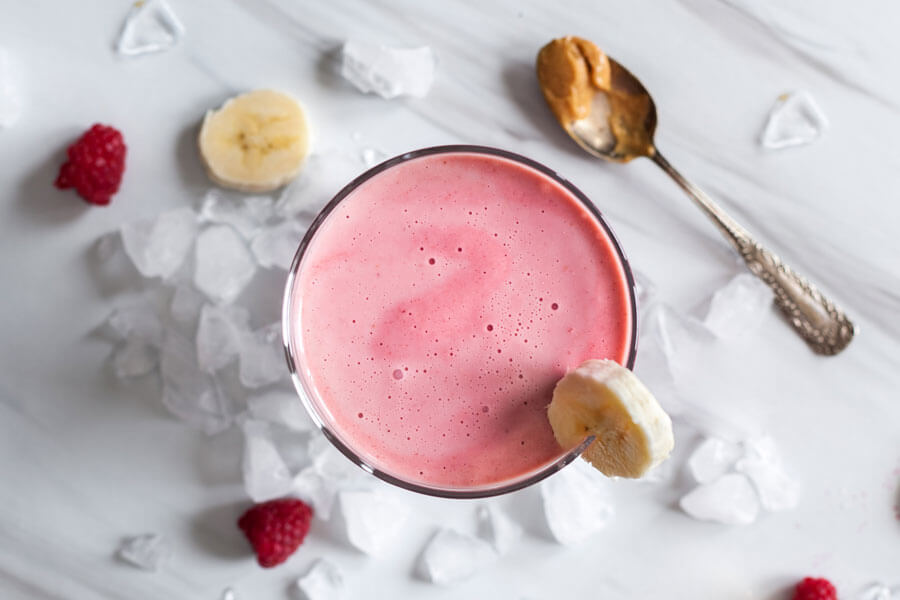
{"x": 818, "y": 321}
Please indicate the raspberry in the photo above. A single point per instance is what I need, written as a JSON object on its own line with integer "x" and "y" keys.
{"x": 815, "y": 589}
{"x": 95, "y": 166}
{"x": 276, "y": 529}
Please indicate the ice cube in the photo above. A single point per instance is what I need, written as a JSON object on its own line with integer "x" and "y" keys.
{"x": 729, "y": 499}
{"x": 739, "y": 308}
{"x": 322, "y": 177}
{"x": 879, "y": 591}
{"x": 497, "y": 528}
{"x": 224, "y": 264}
{"x": 275, "y": 246}
{"x": 11, "y": 102}
{"x": 713, "y": 458}
{"x": 186, "y": 305}
{"x": 247, "y": 215}
{"x": 371, "y": 520}
{"x": 138, "y": 321}
{"x": 282, "y": 408}
{"x": 157, "y": 247}
{"x": 188, "y": 392}
{"x": 149, "y": 551}
{"x": 150, "y": 26}
{"x": 372, "y": 156}
{"x": 316, "y": 490}
{"x": 329, "y": 472}
{"x": 262, "y": 357}
{"x": 265, "y": 475}
{"x": 762, "y": 465}
{"x": 134, "y": 358}
{"x": 644, "y": 290}
{"x": 451, "y": 556}
{"x": 229, "y": 594}
{"x": 323, "y": 581}
{"x": 576, "y": 503}
{"x": 219, "y": 335}
{"x": 794, "y": 120}
{"x": 388, "y": 71}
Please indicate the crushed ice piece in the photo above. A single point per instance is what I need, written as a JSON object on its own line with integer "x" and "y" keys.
{"x": 451, "y": 556}
{"x": 186, "y": 305}
{"x": 262, "y": 357}
{"x": 794, "y": 120}
{"x": 229, "y": 594}
{"x": 275, "y": 246}
{"x": 157, "y": 247}
{"x": 316, "y": 490}
{"x": 139, "y": 321}
{"x": 576, "y": 503}
{"x": 150, "y": 26}
{"x": 148, "y": 551}
{"x": 329, "y": 472}
{"x": 880, "y": 591}
{"x": 644, "y": 290}
{"x": 281, "y": 408}
{"x": 713, "y": 458}
{"x": 266, "y": 477}
{"x": 329, "y": 461}
{"x": 219, "y": 335}
{"x": 372, "y": 156}
{"x": 323, "y": 176}
{"x": 387, "y": 71}
{"x": 323, "y": 581}
{"x": 762, "y": 465}
{"x": 224, "y": 265}
{"x": 739, "y": 307}
{"x": 11, "y": 102}
{"x": 134, "y": 358}
{"x": 729, "y": 499}
{"x": 247, "y": 215}
{"x": 189, "y": 393}
{"x": 497, "y": 528}
{"x": 371, "y": 520}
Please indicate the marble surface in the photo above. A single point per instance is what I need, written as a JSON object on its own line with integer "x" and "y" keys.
{"x": 86, "y": 460}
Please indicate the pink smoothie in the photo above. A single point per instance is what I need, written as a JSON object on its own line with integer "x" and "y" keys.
{"x": 438, "y": 305}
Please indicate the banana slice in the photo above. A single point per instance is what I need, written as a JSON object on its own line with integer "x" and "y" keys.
{"x": 604, "y": 399}
{"x": 256, "y": 142}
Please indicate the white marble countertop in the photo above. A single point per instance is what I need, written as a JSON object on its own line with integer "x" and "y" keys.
{"x": 86, "y": 459}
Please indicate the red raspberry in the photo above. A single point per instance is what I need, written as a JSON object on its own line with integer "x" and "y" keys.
{"x": 276, "y": 529}
{"x": 95, "y": 166}
{"x": 815, "y": 589}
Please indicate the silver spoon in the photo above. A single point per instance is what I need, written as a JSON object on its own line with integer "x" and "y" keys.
{"x": 607, "y": 111}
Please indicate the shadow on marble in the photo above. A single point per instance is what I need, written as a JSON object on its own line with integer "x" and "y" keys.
{"x": 187, "y": 154}
{"x": 522, "y": 87}
{"x": 40, "y": 201}
{"x": 215, "y": 531}
{"x": 216, "y": 459}
{"x": 328, "y": 69}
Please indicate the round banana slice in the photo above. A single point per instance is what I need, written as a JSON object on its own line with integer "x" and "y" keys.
{"x": 256, "y": 142}
{"x": 632, "y": 433}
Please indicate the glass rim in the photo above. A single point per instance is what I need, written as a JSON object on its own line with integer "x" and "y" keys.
{"x": 302, "y": 386}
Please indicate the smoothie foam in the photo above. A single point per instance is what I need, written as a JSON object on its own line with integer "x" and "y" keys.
{"x": 437, "y": 306}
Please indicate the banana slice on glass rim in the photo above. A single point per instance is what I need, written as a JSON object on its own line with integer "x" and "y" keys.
{"x": 256, "y": 142}
{"x": 601, "y": 398}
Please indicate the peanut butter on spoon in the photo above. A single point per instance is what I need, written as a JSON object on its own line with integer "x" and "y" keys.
{"x": 609, "y": 113}
{"x": 620, "y": 119}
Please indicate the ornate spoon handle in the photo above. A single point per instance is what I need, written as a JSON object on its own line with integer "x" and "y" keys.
{"x": 818, "y": 321}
